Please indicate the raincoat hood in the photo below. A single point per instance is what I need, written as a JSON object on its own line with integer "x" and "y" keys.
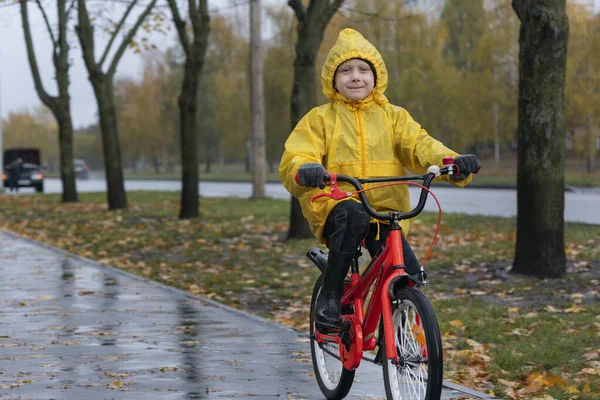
{"x": 351, "y": 44}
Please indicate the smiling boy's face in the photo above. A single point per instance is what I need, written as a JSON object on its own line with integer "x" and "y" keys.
{"x": 354, "y": 79}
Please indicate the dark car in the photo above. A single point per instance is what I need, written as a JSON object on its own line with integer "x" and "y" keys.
{"x": 31, "y": 171}
{"x": 82, "y": 171}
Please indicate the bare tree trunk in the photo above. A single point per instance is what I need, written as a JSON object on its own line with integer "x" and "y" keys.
{"x": 312, "y": 22}
{"x": 257, "y": 103}
{"x": 60, "y": 105}
{"x": 304, "y": 98}
{"x": 189, "y": 154}
{"x": 102, "y": 82}
{"x": 544, "y": 33}
{"x": 195, "y": 51}
{"x": 116, "y": 196}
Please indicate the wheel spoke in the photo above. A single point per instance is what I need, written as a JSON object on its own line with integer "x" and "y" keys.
{"x": 409, "y": 379}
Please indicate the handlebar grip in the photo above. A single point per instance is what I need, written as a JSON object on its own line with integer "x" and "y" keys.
{"x": 326, "y": 178}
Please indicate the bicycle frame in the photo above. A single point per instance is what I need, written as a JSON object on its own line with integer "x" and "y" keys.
{"x": 386, "y": 267}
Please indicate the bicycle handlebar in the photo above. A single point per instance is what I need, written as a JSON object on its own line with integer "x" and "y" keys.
{"x": 432, "y": 172}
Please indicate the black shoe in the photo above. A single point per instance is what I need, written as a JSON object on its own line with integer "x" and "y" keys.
{"x": 327, "y": 308}
{"x": 327, "y": 315}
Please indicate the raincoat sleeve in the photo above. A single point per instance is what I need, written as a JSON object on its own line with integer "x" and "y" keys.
{"x": 417, "y": 150}
{"x": 305, "y": 144}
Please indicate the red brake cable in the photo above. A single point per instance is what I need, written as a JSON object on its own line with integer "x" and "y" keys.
{"x": 437, "y": 229}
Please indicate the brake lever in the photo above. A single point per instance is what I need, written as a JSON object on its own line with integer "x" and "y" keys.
{"x": 336, "y": 193}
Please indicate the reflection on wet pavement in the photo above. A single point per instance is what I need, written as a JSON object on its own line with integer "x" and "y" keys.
{"x": 70, "y": 329}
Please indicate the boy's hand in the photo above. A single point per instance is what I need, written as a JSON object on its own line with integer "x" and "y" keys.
{"x": 467, "y": 164}
{"x": 312, "y": 175}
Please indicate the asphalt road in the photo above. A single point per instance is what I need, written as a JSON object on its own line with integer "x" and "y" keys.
{"x": 73, "y": 329}
{"x": 581, "y": 205}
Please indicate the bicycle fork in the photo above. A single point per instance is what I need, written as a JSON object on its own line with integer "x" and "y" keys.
{"x": 386, "y": 297}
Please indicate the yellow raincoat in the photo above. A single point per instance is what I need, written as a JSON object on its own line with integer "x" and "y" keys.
{"x": 364, "y": 139}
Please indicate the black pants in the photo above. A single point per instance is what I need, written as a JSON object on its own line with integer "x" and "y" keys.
{"x": 348, "y": 224}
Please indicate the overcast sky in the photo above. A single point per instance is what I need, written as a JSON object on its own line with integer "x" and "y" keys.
{"x": 16, "y": 84}
{"x": 17, "y": 91}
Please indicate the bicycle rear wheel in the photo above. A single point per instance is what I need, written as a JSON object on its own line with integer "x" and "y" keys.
{"x": 419, "y": 373}
{"x": 334, "y": 380}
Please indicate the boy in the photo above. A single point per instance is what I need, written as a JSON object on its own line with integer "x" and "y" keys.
{"x": 358, "y": 133}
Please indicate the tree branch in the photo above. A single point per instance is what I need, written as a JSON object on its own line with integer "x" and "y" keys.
{"x": 47, "y": 22}
{"x": 334, "y": 6}
{"x": 85, "y": 32}
{"x": 129, "y": 38}
{"x": 35, "y": 72}
{"x": 518, "y": 6}
{"x": 192, "y": 10}
{"x": 331, "y": 8}
{"x": 180, "y": 26}
{"x": 114, "y": 35}
{"x": 71, "y": 8}
{"x": 61, "y": 59}
{"x": 200, "y": 20}
{"x": 298, "y": 9}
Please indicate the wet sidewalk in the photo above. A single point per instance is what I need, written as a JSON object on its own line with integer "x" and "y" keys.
{"x": 73, "y": 329}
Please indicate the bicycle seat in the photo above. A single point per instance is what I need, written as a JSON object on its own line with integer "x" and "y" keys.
{"x": 318, "y": 257}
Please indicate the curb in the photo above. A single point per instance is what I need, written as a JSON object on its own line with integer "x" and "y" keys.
{"x": 446, "y": 384}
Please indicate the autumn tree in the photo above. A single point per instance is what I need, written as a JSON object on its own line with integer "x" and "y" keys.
{"x": 278, "y": 86}
{"x": 497, "y": 57}
{"x": 465, "y": 22}
{"x": 194, "y": 42}
{"x": 583, "y": 83}
{"x": 60, "y": 104}
{"x": 32, "y": 129}
{"x": 312, "y": 22}
{"x": 144, "y": 110}
{"x": 102, "y": 83}
{"x": 209, "y": 142}
{"x": 226, "y": 76}
{"x": 544, "y": 33}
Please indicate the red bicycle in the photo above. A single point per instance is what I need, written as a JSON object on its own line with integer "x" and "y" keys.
{"x": 398, "y": 320}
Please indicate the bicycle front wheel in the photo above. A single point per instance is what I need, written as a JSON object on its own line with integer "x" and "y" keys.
{"x": 418, "y": 374}
{"x": 334, "y": 380}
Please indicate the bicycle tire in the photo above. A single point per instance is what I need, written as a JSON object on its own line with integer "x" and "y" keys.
{"x": 408, "y": 381}
{"x": 335, "y": 383}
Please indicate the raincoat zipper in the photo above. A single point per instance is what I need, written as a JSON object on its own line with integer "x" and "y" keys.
{"x": 363, "y": 149}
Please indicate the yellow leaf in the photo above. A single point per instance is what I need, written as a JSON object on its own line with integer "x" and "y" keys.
{"x": 456, "y": 323}
{"x": 552, "y": 309}
{"x": 574, "y": 309}
{"x": 572, "y": 390}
